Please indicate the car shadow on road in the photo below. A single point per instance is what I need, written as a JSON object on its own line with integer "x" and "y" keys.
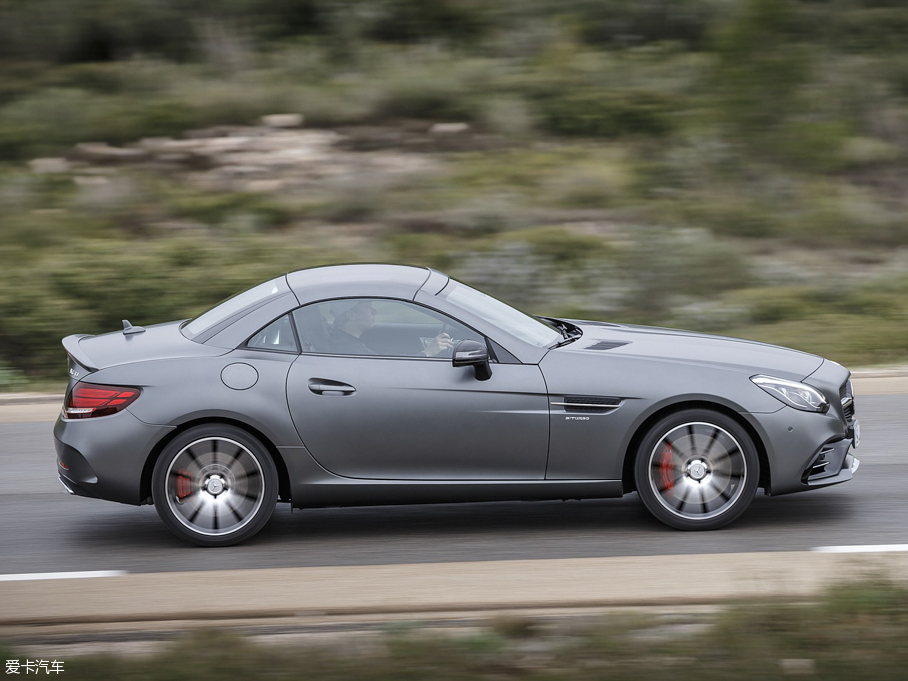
{"x": 627, "y": 513}
{"x": 465, "y": 532}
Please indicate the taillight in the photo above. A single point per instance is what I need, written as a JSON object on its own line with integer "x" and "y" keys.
{"x": 89, "y": 399}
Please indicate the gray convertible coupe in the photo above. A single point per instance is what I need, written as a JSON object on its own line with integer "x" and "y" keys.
{"x": 384, "y": 384}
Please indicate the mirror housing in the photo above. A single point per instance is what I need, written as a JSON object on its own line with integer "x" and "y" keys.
{"x": 475, "y": 354}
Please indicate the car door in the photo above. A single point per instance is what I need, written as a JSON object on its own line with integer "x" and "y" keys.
{"x": 397, "y": 411}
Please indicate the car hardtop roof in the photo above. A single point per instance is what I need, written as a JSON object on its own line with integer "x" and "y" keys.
{"x": 346, "y": 281}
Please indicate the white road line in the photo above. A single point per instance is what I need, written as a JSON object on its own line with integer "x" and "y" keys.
{"x": 30, "y": 576}
{"x": 869, "y": 548}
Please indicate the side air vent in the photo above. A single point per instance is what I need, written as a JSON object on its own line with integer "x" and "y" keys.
{"x": 588, "y": 404}
{"x": 606, "y": 345}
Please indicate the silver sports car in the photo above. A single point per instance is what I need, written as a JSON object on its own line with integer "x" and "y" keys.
{"x": 384, "y": 384}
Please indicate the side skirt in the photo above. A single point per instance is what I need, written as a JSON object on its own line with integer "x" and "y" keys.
{"x": 349, "y": 492}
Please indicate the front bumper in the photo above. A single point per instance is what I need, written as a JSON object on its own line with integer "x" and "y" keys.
{"x": 104, "y": 458}
{"x": 832, "y": 464}
{"x": 849, "y": 465}
{"x": 807, "y": 450}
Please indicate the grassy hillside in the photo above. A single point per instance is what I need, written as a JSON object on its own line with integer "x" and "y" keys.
{"x": 735, "y": 166}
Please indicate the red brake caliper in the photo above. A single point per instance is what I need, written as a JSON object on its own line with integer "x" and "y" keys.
{"x": 666, "y": 470}
{"x": 184, "y": 484}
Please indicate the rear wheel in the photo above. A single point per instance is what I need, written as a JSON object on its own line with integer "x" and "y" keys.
{"x": 215, "y": 485}
{"x": 697, "y": 470}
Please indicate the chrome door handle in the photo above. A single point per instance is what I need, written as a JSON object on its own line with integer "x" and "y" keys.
{"x": 323, "y": 388}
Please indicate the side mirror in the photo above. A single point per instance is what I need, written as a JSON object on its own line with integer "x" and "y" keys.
{"x": 475, "y": 354}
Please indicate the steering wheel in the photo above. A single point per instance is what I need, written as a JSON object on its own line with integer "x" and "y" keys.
{"x": 445, "y": 328}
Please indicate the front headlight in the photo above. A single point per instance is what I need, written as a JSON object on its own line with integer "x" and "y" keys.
{"x": 798, "y": 395}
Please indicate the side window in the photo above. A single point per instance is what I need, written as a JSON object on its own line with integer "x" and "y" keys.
{"x": 378, "y": 326}
{"x": 278, "y": 335}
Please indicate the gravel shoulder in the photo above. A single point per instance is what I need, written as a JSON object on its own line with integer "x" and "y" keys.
{"x": 426, "y": 590}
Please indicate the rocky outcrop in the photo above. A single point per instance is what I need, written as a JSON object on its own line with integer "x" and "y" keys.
{"x": 273, "y": 156}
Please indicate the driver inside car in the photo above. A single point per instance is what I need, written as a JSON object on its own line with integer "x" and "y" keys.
{"x": 352, "y": 318}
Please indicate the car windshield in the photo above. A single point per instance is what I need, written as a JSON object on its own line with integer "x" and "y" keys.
{"x": 505, "y": 317}
{"x": 230, "y": 307}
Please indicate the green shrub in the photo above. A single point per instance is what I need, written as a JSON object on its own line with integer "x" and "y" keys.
{"x": 512, "y": 169}
{"x": 818, "y": 146}
{"x": 779, "y": 303}
{"x": 635, "y": 22}
{"x": 11, "y": 380}
{"x": 833, "y": 215}
{"x": 105, "y": 30}
{"x": 415, "y": 20}
{"x": 760, "y": 67}
{"x": 662, "y": 266}
{"x": 730, "y": 214}
{"x": 604, "y": 112}
{"x": 218, "y": 208}
{"x": 433, "y": 250}
{"x": 50, "y": 120}
{"x": 564, "y": 247}
{"x": 866, "y": 28}
{"x": 433, "y": 90}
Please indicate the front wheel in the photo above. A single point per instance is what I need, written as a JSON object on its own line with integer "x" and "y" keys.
{"x": 697, "y": 470}
{"x": 215, "y": 485}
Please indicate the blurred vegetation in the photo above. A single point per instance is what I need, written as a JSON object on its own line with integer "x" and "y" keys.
{"x": 733, "y": 166}
{"x": 856, "y": 630}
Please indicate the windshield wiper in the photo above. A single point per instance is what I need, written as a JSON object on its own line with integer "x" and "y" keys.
{"x": 568, "y": 331}
{"x": 569, "y": 339}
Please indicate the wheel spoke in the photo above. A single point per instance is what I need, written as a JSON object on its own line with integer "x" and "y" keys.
{"x": 707, "y": 475}
{"x": 722, "y": 493}
{"x": 193, "y": 458}
{"x": 233, "y": 510}
{"x": 197, "y": 509}
{"x": 235, "y": 459}
{"x": 727, "y": 455}
{"x": 693, "y": 439}
{"x": 249, "y": 474}
{"x": 229, "y": 484}
{"x": 684, "y": 498}
{"x": 713, "y": 440}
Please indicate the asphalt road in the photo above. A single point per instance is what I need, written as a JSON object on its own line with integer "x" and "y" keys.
{"x": 43, "y": 529}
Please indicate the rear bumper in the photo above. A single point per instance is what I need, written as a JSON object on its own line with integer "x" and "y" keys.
{"x": 72, "y": 487}
{"x": 104, "y": 458}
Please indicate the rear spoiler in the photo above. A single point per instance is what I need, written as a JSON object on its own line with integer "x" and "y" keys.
{"x": 71, "y": 345}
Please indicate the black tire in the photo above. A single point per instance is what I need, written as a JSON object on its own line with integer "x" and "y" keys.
{"x": 697, "y": 470}
{"x": 215, "y": 485}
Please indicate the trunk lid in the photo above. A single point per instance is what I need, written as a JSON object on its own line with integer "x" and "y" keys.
{"x": 88, "y": 354}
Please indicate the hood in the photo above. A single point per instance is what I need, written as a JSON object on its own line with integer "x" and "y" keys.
{"x": 161, "y": 341}
{"x": 602, "y": 338}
